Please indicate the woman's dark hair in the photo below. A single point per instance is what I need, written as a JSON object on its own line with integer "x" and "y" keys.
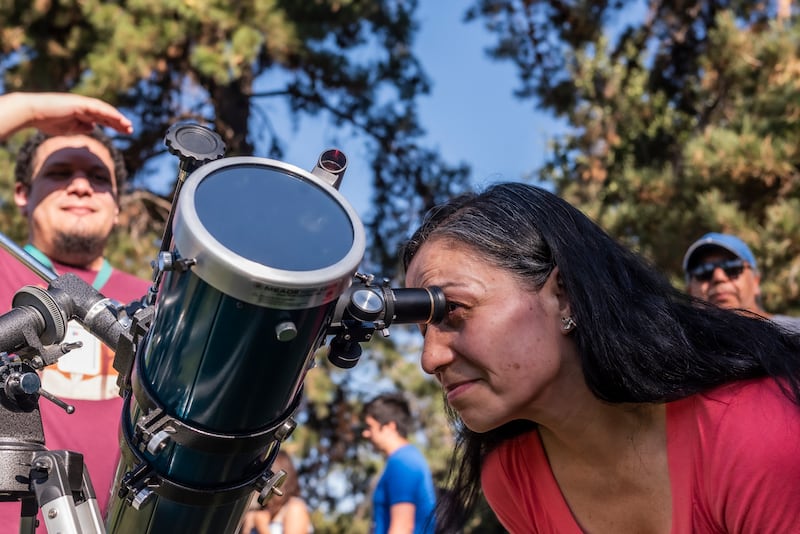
{"x": 23, "y": 170}
{"x": 639, "y": 338}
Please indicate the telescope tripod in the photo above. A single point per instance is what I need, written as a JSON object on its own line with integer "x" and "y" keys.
{"x": 54, "y": 481}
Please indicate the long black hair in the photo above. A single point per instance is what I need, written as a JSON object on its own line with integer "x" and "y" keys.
{"x": 639, "y": 338}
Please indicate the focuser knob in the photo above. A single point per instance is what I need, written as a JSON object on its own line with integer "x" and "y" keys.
{"x": 194, "y": 144}
{"x": 365, "y": 304}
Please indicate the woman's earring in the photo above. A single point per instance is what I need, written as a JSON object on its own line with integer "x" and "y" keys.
{"x": 568, "y": 323}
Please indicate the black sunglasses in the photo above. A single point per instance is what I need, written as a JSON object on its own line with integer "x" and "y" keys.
{"x": 705, "y": 271}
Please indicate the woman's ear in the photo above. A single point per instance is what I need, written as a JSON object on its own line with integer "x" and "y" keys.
{"x": 564, "y": 307}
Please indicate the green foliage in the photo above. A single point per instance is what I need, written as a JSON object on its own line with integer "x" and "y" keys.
{"x": 11, "y": 223}
{"x": 205, "y": 61}
{"x": 684, "y": 120}
{"x": 347, "y": 62}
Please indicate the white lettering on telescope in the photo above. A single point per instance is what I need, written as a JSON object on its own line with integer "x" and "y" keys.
{"x": 294, "y": 298}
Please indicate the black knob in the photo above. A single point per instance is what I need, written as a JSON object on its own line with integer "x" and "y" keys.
{"x": 365, "y": 304}
{"x": 23, "y": 383}
{"x": 344, "y": 354}
{"x": 194, "y": 144}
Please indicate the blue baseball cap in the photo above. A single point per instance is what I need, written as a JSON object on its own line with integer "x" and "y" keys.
{"x": 728, "y": 242}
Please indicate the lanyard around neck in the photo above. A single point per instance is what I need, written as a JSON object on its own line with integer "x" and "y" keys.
{"x": 99, "y": 281}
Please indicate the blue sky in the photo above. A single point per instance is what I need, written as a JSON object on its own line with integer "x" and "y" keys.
{"x": 471, "y": 115}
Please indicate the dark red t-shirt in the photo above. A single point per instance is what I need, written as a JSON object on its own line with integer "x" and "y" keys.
{"x": 85, "y": 378}
{"x": 734, "y": 466}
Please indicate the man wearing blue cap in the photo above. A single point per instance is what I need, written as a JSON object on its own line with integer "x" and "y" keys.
{"x": 721, "y": 269}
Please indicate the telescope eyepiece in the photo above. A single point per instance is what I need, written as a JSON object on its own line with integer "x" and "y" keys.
{"x": 419, "y": 305}
{"x": 364, "y": 308}
{"x": 388, "y": 305}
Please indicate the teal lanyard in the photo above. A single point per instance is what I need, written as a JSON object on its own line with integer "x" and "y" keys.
{"x": 99, "y": 281}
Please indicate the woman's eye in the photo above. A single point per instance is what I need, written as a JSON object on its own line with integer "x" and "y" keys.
{"x": 454, "y": 312}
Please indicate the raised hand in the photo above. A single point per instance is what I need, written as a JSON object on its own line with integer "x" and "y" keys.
{"x": 58, "y": 114}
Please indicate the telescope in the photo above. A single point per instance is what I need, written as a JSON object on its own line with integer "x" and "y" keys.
{"x": 257, "y": 270}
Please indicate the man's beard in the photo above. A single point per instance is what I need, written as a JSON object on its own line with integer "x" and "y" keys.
{"x": 79, "y": 246}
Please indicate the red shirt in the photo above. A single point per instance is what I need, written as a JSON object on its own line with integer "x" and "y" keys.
{"x": 734, "y": 465}
{"x": 93, "y": 429}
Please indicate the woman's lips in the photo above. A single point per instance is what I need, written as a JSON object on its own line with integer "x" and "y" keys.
{"x": 456, "y": 389}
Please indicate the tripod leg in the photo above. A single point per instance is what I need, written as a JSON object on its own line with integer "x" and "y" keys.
{"x": 56, "y": 476}
{"x": 27, "y": 523}
{"x": 88, "y": 511}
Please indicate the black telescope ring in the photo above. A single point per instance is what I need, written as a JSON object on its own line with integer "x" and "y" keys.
{"x": 200, "y": 439}
{"x": 183, "y": 494}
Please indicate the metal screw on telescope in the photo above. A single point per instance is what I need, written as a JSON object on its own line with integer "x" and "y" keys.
{"x": 272, "y": 486}
{"x": 141, "y": 498}
{"x": 22, "y": 384}
{"x": 158, "y": 442}
{"x": 285, "y": 430}
{"x": 286, "y": 331}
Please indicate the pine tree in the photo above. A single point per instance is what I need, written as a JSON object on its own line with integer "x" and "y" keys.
{"x": 682, "y": 119}
{"x": 167, "y": 61}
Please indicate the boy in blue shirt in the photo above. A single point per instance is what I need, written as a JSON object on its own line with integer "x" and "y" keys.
{"x": 404, "y": 498}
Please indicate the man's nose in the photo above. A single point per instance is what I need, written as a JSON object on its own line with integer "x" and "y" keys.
{"x": 79, "y": 183}
{"x": 719, "y": 275}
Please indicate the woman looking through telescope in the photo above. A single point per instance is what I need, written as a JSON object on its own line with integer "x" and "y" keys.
{"x": 589, "y": 394}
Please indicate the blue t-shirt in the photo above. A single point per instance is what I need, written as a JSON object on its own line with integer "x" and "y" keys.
{"x": 406, "y": 478}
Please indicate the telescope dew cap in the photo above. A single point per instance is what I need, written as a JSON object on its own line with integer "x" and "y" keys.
{"x": 728, "y": 242}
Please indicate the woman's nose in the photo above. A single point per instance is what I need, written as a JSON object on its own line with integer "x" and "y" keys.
{"x": 436, "y": 351}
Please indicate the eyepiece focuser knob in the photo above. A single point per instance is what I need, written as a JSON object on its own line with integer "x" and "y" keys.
{"x": 365, "y": 305}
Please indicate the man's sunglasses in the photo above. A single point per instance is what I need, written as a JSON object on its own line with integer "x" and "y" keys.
{"x": 705, "y": 271}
